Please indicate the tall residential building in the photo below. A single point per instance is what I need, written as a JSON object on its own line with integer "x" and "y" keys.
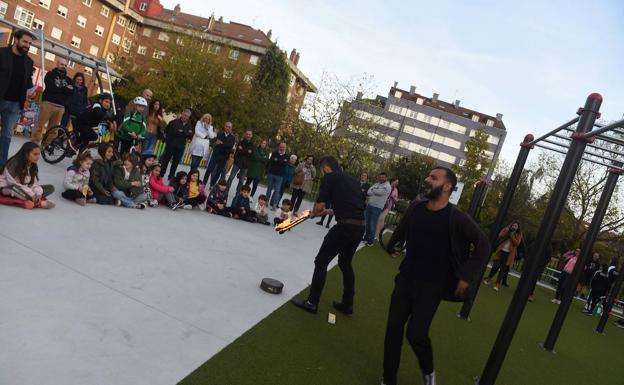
{"x": 141, "y": 28}
{"x": 408, "y": 123}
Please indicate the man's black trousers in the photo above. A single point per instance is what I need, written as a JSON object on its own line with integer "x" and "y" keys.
{"x": 342, "y": 240}
{"x": 173, "y": 154}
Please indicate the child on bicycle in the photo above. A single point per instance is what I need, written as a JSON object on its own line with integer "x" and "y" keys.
{"x": 133, "y": 127}
{"x": 76, "y": 182}
{"x": 91, "y": 118}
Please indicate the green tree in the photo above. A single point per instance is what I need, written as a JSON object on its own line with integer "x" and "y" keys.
{"x": 411, "y": 172}
{"x": 475, "y": 166}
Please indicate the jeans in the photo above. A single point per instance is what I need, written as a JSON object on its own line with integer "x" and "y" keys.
{"x": 297, "y": 198}
{"x": 415, "y": 305}
{"x": 149, "y": 142}
{"x": 127, "y": 201}
{"x": 102, "y": 199}
{"x": 372, "y": 216}
{"x": 195, "y": 161}
{"x": 9, "y": 113}
{"x": 173, "y": 154}
{"x": 218, "y": 171}
{"x": 341, "y": 240}
{"x": 274, "y": 184}
{"x": 242, "y": 175}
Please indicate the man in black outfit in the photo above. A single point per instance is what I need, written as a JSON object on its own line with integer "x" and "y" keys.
{"x": 178, "y": 131}
{"x": 438, "y": 265}
{"x": 222, "y": 149}
{"x": 343, "y": 239}
{"x": 16, "y": 70}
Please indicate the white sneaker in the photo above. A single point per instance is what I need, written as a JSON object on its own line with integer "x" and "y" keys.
{"x": 429, "y": 379}
{"x": 202, "y": 206}
{"x": 187, "y": 207}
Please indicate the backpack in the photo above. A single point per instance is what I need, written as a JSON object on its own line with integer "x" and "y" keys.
{"x": 299, "y": 178}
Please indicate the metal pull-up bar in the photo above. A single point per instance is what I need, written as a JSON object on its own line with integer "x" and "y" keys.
{"x": 562, "y": 127}
{"x": 607, "y": 128}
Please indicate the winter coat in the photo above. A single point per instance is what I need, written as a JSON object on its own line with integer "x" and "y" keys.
{"x": 289, "y": 174}
{"x": 78, "y": 101}
{"x": 101, "y": 178}
{"x": 240, "y": 202}
{"x": 277, "y": 163}
{"x": 157, "y": 186}
{"x": 378, "y": 194}
{"x": 309, "y": 173}
{"x": 258, "y": 163}
{"x": 200, "y": 145}
{"x": 56, "y": 90}
{"x": 134, "y": 122}
{"x": 178, "y": 133}
{"x": 7, "y": 71}
{"x": 244, "y": 154}
{"x": 11, "y": 184}
{"x": 125, "y": 185}
{"x": 75, "y": 179}
{"x": 392, "y": 198}
{"x": 515, "y": 241}
{"x": 222, "y": 151}
{"x": 217, "y": 196}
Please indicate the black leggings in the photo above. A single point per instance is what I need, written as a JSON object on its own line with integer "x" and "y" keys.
{"x": 500, "y": 264}
{"x": 72, "y": 194}
{"x": 297, "y": 198}
{"x": 254, "y": 182}
{"x": 195, "y": 201}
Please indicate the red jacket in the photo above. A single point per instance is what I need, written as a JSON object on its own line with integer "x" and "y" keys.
{"x": 157, "y": 186}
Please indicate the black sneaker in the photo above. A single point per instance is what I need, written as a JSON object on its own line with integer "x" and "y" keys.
{"x": 305, "y": 305}
{"x": 343, "y": 308}
{"x": 320, "y": 223}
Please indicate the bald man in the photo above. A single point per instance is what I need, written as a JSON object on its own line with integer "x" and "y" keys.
{"x": 58, "y": 88}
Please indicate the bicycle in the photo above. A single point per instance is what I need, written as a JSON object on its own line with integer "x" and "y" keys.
{"x": 64, "y": 144}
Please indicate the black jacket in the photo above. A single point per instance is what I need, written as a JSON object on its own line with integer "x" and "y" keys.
{"x": 222, "y": 151}
{"x": 178, "y": 133}
{"x": 6, "y": 70}
{"x": 464, "y": 232}
{"x": 77, "y": 102}
{"x": 277, "y": 163}
{"x": 56, "y": 90}
{"x": 244, "y": 153}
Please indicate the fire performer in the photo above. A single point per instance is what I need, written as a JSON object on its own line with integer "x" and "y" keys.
{"x": 343, "y": 239}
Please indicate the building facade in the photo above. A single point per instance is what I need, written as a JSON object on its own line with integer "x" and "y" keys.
{"x": 406, "y": 123}
{"x": 141, "y": 29}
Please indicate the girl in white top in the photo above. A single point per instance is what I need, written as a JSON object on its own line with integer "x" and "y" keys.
{"x": 200, "y": 145}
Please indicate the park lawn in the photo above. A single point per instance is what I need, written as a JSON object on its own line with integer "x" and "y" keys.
{"x": 292, "y": 347}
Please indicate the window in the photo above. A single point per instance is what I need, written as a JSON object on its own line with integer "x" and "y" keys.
{"x": 71, "y": 64}
{"x": 142, "y": 50}
{"x": 3, "y": 8}
{"x": 94, "y": 50}
{"x": 253, "y": 59}
{"x": 158, "y": 54}
{"x": 227, "y": 74}
{"x": 448, "y": 142}
{"x": 50, "y": 56}
{"x": 88, "y": 71}
{"x": 132, "y": 26}
{"x": 62, "y": 11}
{"x": 454, "y": 127}
{"x": 82, "y": 22}
{"x": 475, "y": 118}
{"x": 99, "y": 30}
{"x": 24, "y": 17}
{"x": 44, "y": 4}
{"x": 420, "y": 100}
{"x": 121, "y": 21}
{"x": 38, "y": 24}
{"x": 489, "y": 123}
{"x": 105, "y": 11}
{"x": 127, "y": 44}
{"x": 76, "y": 41}
{"x": 33, "y": 50}
{"x": 143, "y": 6}
{"x": 493, "y": 139}
{"x": 116, "y": 39}
{"x": 214, "y": 49}
{"x": 234, "y": 54}
{"x": 398, "y": 94}
{"x": 87, "y": 2}
{"x": 56, "y": 33}
{"x": 147, "y": 32}
{"x": 163, "y": 36}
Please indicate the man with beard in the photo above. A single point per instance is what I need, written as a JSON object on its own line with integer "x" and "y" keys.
{"x": 438, "y": 266}
{"x": 16, "y": 70}
{"x": 58, "y": 87}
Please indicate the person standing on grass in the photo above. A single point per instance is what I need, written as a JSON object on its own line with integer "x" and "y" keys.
{"x": 589, "y": 270}
{"x": 342, "y": 240}
{"x": 377, "y": 197}
{"x": 509, "y": 239}
{"x": 178, "y": 131}
{"x": 566, "y": 272}
{"x": 599, "y": 285}
{"x": 302, "y": 182}
{"x": 438, "y": 265}
{"x": 364, "y": 185}
{"x": 16, "y": 70}
{"x": 390, "y": 202}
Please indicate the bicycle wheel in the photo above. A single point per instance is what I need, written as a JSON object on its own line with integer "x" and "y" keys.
{"x": 55, "y": 150}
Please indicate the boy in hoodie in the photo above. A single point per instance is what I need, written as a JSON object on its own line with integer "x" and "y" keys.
{"x": 217, "y": 199}
{"x": 599, "y": 287}
{"x": 133, "y": 126}
{"x": 240, "y": 207}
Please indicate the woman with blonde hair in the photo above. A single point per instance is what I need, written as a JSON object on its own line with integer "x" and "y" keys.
{"x": 200, "y": 145}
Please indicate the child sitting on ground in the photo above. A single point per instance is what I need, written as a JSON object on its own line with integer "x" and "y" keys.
{"x": 76, "y": 182}
{"x": 159, "y": 190}
{"x": 217, "y": 199}
{"x": 240, "y": 206}
{"x": 19, "y": 179}
{"x": 284, "y": 212}
{"x": 262, "y": 210}
{"x": 179, "y": 189}
{"x": 195, "y": 193}
{"x": 147, "y": 160}
{"x": 128, "y": 184}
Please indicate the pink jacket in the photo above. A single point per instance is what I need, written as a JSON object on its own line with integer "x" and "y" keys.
{"x": 157, "y": 186}
{"x": 569, "y": 267}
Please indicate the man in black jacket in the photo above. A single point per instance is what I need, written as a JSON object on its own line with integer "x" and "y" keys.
{"x": 438, "y": 265}
{"x": 277, "y": 168}
{"x": 16, "y": 70}
{"x": 242, "y": 159}
{"x": 58, "y": 88}
{"x": 220, "y": 153}
{"x": 178, "y": 131}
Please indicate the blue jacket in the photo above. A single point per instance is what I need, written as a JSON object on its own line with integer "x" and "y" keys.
{"x": 240, "y": 202}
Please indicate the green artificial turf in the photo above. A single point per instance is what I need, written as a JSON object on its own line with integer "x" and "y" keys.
{"x": 292, "y": 347}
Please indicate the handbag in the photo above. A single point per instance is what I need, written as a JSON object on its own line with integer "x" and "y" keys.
{"x": 299, "y": 178}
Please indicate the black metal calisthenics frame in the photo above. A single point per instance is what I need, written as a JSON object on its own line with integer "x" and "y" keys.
{"x": 46, "y": 44}
{"x": 578, "y": 140}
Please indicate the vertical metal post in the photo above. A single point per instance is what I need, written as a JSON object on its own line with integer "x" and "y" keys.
{"x": 545, "y": 233}
{"x": 42, "y": 53}
{"x": 110, "y": 83}
{"x": 613, "y": 295}
{"x": 477, "y": 197}
{"x": 525, "y": 148}
{"x": 588, "y": 243}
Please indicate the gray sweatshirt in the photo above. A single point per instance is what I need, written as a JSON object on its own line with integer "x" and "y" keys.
{"x": 378, "y": 194}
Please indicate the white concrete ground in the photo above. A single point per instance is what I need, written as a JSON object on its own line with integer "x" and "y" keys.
{"x": 103, "y": 295}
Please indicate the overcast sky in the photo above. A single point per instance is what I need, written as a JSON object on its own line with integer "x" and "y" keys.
{"x": 535, "y": 62}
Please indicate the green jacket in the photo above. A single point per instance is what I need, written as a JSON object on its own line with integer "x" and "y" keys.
{"x": 126, "y": 185}
{"x": 133, "y": 122}
{"x": 258, "y": 163}
{"x": 101, "y": 179}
